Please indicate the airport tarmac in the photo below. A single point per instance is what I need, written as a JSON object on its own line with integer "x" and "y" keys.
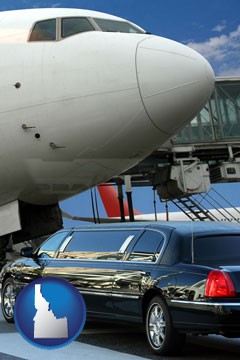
{"x": 14, "y": 347}
{"x": 113, "y": 342}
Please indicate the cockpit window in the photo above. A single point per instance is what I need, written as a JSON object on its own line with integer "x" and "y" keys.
{"x": 44, "y": 31}
{"x": 75, "y": 25}
{"x": 117, "y": 26}
{"x": 60, "y": 28}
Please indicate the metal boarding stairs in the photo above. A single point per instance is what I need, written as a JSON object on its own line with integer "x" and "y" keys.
{"x": 195, "y": 207}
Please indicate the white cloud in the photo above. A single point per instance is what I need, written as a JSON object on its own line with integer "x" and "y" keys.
{"x": 36, "y": 5}
{"x": 220, "y": 27}
{"x": 56, "y": 5}
{"x": 222, "y": 51}
{"x": 226, "y": 70}
{"x": 40, "y": 4}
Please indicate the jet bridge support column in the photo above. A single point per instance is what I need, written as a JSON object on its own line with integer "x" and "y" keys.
{"x": 3, "y": 249}
{"x": 128, "y": 185}
{"x": 121, "y": 203}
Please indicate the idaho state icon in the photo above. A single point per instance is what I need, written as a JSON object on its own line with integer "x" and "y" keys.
{"x": 50, "y": 313}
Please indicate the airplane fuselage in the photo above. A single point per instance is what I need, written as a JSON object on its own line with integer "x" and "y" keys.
{"x": 84, "y": 96}
{"x": 78, "y": 110}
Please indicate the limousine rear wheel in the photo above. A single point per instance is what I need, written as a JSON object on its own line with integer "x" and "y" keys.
{"x": 8, "y": 300}
{"x": 161, "y": 335}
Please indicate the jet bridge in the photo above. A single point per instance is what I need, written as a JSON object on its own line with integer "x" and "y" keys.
{"x": 205, "y": 151}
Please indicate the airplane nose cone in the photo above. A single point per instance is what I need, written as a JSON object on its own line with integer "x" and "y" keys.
{"x": 174, "y": 82}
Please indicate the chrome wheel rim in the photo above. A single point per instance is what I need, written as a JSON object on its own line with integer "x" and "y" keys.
{"x": 156, "y": 326}
{"x": 9, "y": 297}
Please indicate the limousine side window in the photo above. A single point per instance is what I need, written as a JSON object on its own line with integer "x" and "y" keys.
{"x": 148, "y": 247}
{"x": 100, "y": 245}
{"x": 50, "y": 246}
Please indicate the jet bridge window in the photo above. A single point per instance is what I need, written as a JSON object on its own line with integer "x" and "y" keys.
{"x": 75, "y": 25}
{"x": 44, "y": 31}
{"x": 117, "y": 26}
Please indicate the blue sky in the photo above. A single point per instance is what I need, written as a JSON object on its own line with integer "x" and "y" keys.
{"x": 212, "y": 27}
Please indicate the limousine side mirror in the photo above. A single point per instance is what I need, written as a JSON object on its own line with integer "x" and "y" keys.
{"x": 26, "y": 252}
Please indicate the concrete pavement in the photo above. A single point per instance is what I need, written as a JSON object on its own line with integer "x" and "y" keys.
{"x": 13, "y": 344}
{"x": 14, "y": 347}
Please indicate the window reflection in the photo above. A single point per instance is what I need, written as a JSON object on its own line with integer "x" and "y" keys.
{"x": 51, "y": 245}
{"x": 100, "y": 245}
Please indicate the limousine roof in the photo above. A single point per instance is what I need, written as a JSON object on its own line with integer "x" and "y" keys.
{"x": 181, "y": 235}
{"x": 183, "y": 228}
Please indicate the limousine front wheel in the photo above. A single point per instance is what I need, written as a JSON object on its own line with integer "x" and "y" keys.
{"x": 161, "y": 335}
{"x": 8, "y": 300}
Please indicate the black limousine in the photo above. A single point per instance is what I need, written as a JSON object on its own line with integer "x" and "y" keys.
{"x": 175, "y": 277}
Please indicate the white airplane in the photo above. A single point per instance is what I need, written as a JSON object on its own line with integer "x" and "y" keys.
{"x": 84, "y": 96}
{"x": 110, "y": 202}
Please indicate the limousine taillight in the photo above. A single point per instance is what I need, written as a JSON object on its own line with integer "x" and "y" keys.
{"x": 219, "y": 284}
